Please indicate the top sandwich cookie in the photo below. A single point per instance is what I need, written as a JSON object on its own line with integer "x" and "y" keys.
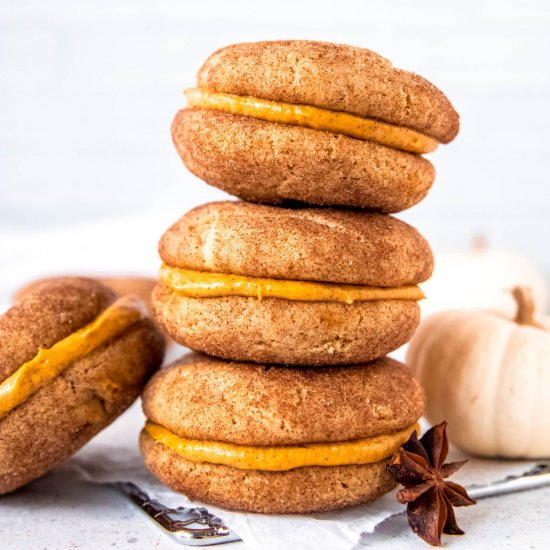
{"x": 321, "y": 123}
{"x": 310, "y": 286}
{"x": 72, "y": 358}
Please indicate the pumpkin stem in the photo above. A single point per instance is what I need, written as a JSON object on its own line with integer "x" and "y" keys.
{"x": 526, "y": 307}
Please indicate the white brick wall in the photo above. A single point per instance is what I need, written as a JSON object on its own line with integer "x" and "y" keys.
{"x": 88, "y": 90}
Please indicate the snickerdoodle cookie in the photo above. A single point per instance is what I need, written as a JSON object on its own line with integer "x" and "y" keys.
{"x": 72, "y": 358}
{"x": 307, "y": 286}
{"x": 321, "y": 123}
{"x": 278, "y": 439}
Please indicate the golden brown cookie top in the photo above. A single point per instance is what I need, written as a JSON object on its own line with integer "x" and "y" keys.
{"x": 50, "y": 312}
{"x": 243, "y": 403}
{"x": 123, "y": 285}
{"x": 318, "y": 244}
{"x": 331, "y": 76}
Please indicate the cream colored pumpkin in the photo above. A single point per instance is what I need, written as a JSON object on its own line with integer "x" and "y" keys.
{"x": 481, "y": 279}
{"x": 489, "y": 377}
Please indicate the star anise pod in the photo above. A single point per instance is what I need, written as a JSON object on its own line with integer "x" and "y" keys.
{"x": 418, "y": 465}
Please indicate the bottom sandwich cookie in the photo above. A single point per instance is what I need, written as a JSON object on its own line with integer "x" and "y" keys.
{"x": 278, "y": 439}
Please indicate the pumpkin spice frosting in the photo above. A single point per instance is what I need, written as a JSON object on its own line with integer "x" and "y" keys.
{"x": 306, "y": 286}
{"x": 321, "y": 123}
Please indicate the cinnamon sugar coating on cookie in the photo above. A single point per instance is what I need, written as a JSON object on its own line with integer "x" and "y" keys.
{"x": 331, "y": 76}
{"x": 262, "y": 405}
{"x": 269, "y": 163}
{"x": 289, "y": 332}
{"x": 317, "y": 244}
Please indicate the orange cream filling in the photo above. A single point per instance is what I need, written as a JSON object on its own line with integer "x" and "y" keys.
{"x": 391, "y": 135}
{"x": 282, "y": 458}
{"x": 51, "y": 362}
{"x": 200, "y": 284}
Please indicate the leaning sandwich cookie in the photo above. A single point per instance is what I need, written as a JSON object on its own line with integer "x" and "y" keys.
{"x": 278, "y": 439}
{"x": 72, "y": 359}
{"x": 307, "y": 286}
{"x": 322, "y": 123}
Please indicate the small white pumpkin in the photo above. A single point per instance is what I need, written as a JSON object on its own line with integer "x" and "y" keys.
{"x": 489, "y": 377}
{"x": 481, "y": 278}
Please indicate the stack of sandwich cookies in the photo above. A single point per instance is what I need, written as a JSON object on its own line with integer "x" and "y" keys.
{"x": 72, "y": 359}
{"x": 301, "y": 411}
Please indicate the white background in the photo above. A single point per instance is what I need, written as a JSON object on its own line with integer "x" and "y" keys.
{"x": 89, "y": 178}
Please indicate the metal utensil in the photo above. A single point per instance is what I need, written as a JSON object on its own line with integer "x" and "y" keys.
{"x": 537, "y": 476}
{"x": 189, "y": 526}
{"x": 198, "y": 527}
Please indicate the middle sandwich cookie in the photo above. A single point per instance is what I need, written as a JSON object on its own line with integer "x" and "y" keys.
{"x": 308, "y": 286}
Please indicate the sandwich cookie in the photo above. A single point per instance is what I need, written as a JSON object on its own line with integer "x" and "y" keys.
{"x": 308, "y": 286}
{"x": 321, "y": 123}
{"x": 72, "y": 359}
{"x": 278, "y": 440}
